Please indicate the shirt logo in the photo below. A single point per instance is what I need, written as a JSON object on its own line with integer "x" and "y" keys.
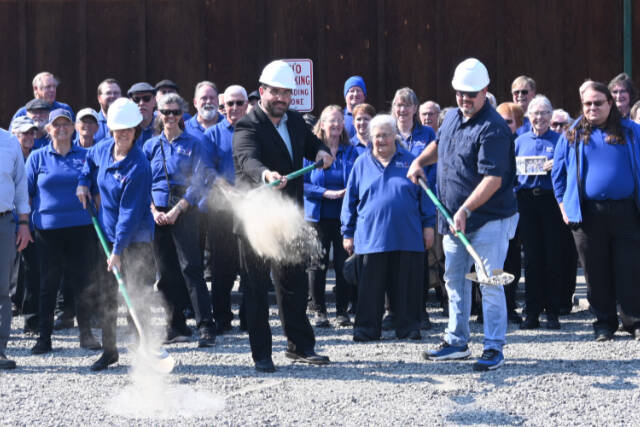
{"x": 401, "y": 164}
{"x": 77, "y": 163}
{"x": 119, "y": 177}
{"x": 549, "y": 149}
{"x": 183, "y": 151}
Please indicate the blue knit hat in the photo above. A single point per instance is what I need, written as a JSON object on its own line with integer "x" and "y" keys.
{"x": 355, "y": 81}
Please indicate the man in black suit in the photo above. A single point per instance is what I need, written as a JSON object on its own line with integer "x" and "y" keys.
{"x": 269, "y": 143}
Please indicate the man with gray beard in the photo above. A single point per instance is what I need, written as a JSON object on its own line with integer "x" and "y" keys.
{"x": 205, "y": 99}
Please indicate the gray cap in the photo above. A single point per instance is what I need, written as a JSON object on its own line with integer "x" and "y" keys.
{"x": 23, "y": 124}
{"x": 140, "y": 87}
{"x": 254, "y": 95}
{"x": 37, "y": 104}
{"x": 167, "y": 83}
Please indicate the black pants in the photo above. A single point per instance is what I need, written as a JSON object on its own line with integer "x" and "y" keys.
{"x": 137, "y": 272}
{"x": 223, "y": 250}
{"x": 570, "y": 263}
{"x": 513, "y": 265}
{"x": 29, "y": 276}
{"x": 401, "y": 275}
{"x": 63, "y": 250}
{"x": 541, "y": 231}
{"x": 329, "y": 234}
{"x": 176, "y": 250}
{"x": 608, "y": 243}
{"x": 291, "y": 295}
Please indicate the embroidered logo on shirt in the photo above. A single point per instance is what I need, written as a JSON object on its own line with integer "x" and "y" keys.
{"x": 549, "y": 149}
{"x": 77, "y": 163}
{"x": 119, "y": 177}
{"x": 401, "y": 164}
{"x": 183, "y": 151}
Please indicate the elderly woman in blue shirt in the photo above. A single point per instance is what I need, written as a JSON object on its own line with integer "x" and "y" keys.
{"x": 178, "y": 178}
{"x": 388, "y": 222}
{"x": 541, "y": 227}
{"x": 62, "y": 226}
{"x": 596, "y": 180}
{"x": 324, "y": 190}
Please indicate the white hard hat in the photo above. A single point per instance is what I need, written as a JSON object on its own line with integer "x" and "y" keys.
{"x": 278, "y": 74}
{"x": 470, "y": 76}
{"x": 123, "y": 114}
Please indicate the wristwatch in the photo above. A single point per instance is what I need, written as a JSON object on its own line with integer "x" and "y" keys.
{"x": 466, "y": 211}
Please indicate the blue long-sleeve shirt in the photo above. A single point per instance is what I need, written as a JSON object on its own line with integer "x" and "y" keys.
{"x": 382, "y": 210}
{"x": 318, "y": 181}
{"x": 613, "y": 176}
{"x": 125, "y": 193}
{"x": 52, "y": 180}
{"x": 186, "y": 167}
{"x": 421, "y": 136}
{"x": 218, "y": 148}
{"x": 530, "y": 144}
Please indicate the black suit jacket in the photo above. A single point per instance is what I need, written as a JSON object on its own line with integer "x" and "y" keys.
{"x": 257, "y": 146}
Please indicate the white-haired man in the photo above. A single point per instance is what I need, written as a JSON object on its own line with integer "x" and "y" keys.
{"x": 45, "y": 87}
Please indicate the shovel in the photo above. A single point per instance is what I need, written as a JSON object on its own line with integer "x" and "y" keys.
{"x": 497, "y": 277}
{"x": 157, "y": 359}
{"x": 297, "y": 173}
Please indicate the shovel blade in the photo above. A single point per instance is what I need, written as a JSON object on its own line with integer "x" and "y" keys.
{"x": 156, "y": 359}
{"x": 498, "y": 278}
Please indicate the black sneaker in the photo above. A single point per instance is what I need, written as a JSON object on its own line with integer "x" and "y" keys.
{"x": 207, "y": 337}
{"x": 178, "y": 334}
{"x": 42, "y": 346}
{"x": 108, "y": 358}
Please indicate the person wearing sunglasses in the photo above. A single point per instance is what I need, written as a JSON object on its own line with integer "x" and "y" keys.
{"x": 475, "y": 178}
{"x": 560, "y": 120}
{"x": 523, "y": 89}
{"x": 178, "y": 171}
{"x": 143, "y": 95}
{"x": 596, "y": 179}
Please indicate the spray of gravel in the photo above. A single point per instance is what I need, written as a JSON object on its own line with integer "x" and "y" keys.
{"x": 151, "y": 394}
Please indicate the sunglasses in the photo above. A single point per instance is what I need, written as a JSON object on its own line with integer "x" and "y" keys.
{"x": 221, "y": 107}
{"x": 171, "y": 112}
{"x": 236, "y": 103}
{"x": 145, "y": 98}
{"x": 557, "y": 124}
{"x": 523, "y": 92}
{"x": 470, "y": 95}
{"x": 594, "y": 103}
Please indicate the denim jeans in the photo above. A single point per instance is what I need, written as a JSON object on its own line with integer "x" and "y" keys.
{"x": 491, "y": 241}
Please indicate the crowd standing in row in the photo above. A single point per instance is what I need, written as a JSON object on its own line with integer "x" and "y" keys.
{"x": 149, "y": 168}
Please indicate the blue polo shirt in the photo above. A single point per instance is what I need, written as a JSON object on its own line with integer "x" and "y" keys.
{"x": 193, "y": 125}
{"x": 348, "y": 123}
{"x": 318, "y": 181}
{"x": 186, "y": 167}
{"x": 43, "y": 141}
{"x": 530, "y": 144}
{"x": 382, "y": 210}
{"x": 147, "y": 133}
{"x": 52, "y": 180}
{"x": 360, "y": 147}
{"x": 22, "y": 111}
{"x": 526, "y": 127}
{"x": 416, "y": 142}
{"x": 103, "y": 129}
{"x": 218, "y": 149}
{"x": 467, "y": 151}
{"x": 125, "y": 194}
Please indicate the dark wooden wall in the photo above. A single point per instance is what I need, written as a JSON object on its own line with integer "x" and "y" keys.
{"x": 392, "y": 43}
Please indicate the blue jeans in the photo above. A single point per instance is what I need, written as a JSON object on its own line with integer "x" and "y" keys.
{"x": 491, "y": 241}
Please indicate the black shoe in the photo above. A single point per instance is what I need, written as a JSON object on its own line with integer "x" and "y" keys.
{"x": 388, "y": 323}
{"x": 514, "y": 317}
{"x": 107, "y": 358}
{"x": 89, "y": 342}
{"x": 321, "y": 320}
{"x": 207, "y": 337}
{"x": 531, "y": 322}
{"x": 604, "y": 335}
{"x": 359, "y": 336}
{"x": 42, "y": 346}
{"x": 178, "y": 334}
{"x": 265, "y": 365}
{"x": 414, "y": 335}
{"x": 62, "y": 323}
{"x": 221, "y": 328}
{"x": 30, "y": 331}
{"x": 552, "y": 321}
{"x": 6, "y": 363}
{"x": 343, "y": 319}
{"x": 308, "y": 356}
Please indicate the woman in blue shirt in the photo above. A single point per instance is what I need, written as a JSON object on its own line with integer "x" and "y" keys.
{"x": 62, "y": 227}
{"x": 120, "y": 178}
{"x": 596, "y": 180}
{"x": 178, "y": 183}
{"x": 388, "y": 222}
{"x": 541, "y": 228}
{"x": 323, "y": 193}
{"x": 362, "y": 115}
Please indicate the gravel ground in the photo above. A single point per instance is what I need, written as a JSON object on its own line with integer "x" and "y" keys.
{"x": 550, "y": 378}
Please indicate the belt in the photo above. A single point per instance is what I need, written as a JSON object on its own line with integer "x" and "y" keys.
{"x": 4, "y": 213}
{"x": 537, "y": 191}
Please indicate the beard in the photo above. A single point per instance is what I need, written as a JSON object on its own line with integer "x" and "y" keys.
{"x": 207, "y": 113}
{"x": 276, "y": 109}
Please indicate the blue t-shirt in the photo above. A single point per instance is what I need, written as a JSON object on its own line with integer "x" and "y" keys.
{"x": 530, "y": 144}
{"x": 602, "y": 181}
{"x": 125, "y": 193}
{"x": 52, "y": 180}
{"x": 467, "y": 151}
{"x": 382, "y": 210}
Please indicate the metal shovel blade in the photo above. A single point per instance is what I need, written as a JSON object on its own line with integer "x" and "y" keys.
{"x": 498, "y": 278}
{"x": 156, "y": 359}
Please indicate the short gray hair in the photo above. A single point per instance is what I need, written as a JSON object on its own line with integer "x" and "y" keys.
{"x": 212, "y": 85}
{"x": 171, "y": 98}
{"x": 562, "y": 113}
{"x": 42, "y": 74}
{"x": 540, "y": 99}
{"x": 236, "y": 90}
{"x": 382, "y": 120}
{"x": 431, "y": 104}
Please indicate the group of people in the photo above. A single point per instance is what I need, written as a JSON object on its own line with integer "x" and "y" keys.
{"x": 515, "y": 175}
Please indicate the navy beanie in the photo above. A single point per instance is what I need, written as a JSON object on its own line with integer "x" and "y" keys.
{"x": 355, "y": 81}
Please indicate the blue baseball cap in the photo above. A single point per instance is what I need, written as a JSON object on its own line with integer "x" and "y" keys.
{"x": 355, "y": 81}
{"x": 60, "y": 112}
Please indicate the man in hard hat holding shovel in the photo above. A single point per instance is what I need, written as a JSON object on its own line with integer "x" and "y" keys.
{"x": 476, "y": 170}
{"x": 269, "y": 143}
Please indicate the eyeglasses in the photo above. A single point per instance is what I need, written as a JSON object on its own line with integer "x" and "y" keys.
{"x": 221, "y": 107}
{"x": 144, "y": 98}
{"x": 558, "y": 124}
{"x": 594, "y": 103}
{"x": 236, "y": 103}
{"x": 57, "y": 125}
{"x": 470, "y": 95}
{"x": 508, "y": 121}
{"x": 619, "y": 91}
{"x": 176, "y": 113}
{"x": 539, "y": 113}
{"x": 523, "y": 92}
{"x": 48, "y": 87}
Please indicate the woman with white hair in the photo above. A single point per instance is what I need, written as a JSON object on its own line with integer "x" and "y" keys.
{"x": 388, "y": 222}
{"x": 541, "y": 227}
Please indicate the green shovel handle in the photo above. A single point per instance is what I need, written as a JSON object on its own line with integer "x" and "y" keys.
{"x": 297, "y": 173}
